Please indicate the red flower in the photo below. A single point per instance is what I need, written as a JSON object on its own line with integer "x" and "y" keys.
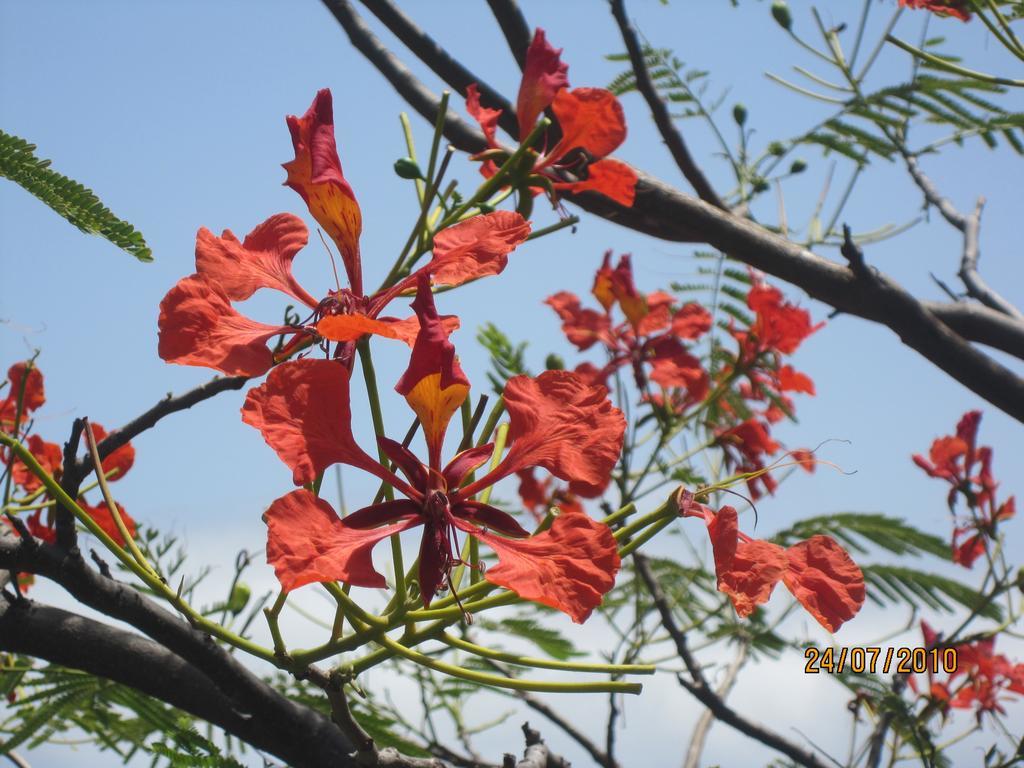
{"x": 31, "y": 399}
{"x": 199, "y": 326}
{"x": 967, "y": 468}
{"x": 746, "y": 446}
{"x": 959, "y": 9}
{"x": 987, "y": 677}
{"x": 651, "y": 335}
{"x": 591, "y": 121}
{"x": 539, "y": 496}
{"x": 557, "y": 421}
{"x": 818, "y": 572}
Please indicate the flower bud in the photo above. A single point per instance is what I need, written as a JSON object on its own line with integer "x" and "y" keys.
{"x": 798, "y": 166}
{"x": 554, "y": 362}
{"x": 777, "y": 148}
{"x": 407, "y": 168}
{"x": 239, "y": 598}
{"x": 739, "y": 114}
{"x": 781, "y": 14}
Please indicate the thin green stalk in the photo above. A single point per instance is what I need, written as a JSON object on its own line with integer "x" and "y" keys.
{"x": 272, "y": 613}
{"x": 644, "y": 537}
{"x": 492, "y": 422}
{"x": 155, "y": 583}
{"x": 954, "y": 68}
{"x": 410, "y": 148}
{"x": 570, "y": 221}
{"x": 610, "y": 686}
{"x": 527, "y": 661}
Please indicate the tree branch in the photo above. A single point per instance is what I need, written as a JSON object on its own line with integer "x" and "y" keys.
{"x": 659, "y": 111}
{"x": 513, "y": 26}
{"x": 699, "y": 686}
{"x": 74, "y": 641}
{"x": 438, "y": 59}
{"x": 669, "y": 214}
{"x": 970, "y": 227}
{"x": 170, "y": 404}
{"x": 707, "y": 718}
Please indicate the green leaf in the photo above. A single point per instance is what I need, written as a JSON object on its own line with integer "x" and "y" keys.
{"x": 893, "y": 584}
{"x": 548, "y": 640}
{"x": 852, "y": 529}
{"x": 67, "y": 197}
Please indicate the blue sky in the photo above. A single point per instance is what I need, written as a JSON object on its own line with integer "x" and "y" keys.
{"x": 174, "y": 114}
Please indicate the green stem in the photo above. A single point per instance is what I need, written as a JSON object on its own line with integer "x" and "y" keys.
{"x": 410, "y": 148}
{"x": 527, "y": 661}
{"x": 954, "y": 68}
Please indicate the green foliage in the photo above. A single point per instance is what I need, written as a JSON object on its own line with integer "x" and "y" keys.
{"x": 191, "y": 750}
{"x": 508, "y": 359}
{"x": 893, "y": 584}
{"x": 52, "y": 700}
{"x": 67, "y": 197}
{"x": 679, "y": 86}
{"x": 549, "y": 641}
{"x": 853, "y": 529}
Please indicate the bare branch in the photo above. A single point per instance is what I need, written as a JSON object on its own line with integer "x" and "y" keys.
{"x": 707, "y": 718}
{"x": 438, "y": 59}
{"x": 537, "y": 754}
{"x": 659, "y": 111}
{"x": 149, "y": 419}
{"x": 699, "y": 686}
{"x": 64, "y": 519}
{"x": 514, "y": 26}
{"x": 970, "y": 226}
{"x": 570, "y": 730}
{"x": 124, "y": 657}
{"x": 419, "y": 97}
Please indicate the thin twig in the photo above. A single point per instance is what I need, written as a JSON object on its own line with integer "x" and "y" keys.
{"x": 662, "y": 118}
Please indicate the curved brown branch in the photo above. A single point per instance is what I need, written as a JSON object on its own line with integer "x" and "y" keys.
{"x": 698, "y": 685}
{"x": 513, "y": 26}
{"x": 659, "y": 111}
{"x": 443, "y": 65}
{"x": 74, "y": 641}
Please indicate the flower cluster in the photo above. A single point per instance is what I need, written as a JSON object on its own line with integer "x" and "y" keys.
{"x": 591, "y": 126}
{"x": 559, "y": 421}
{"x": 958, "y": 460}
{"x": 25, "y": 393}
{"x": 199, "y": 326}
{"x": 980, "y": 681}
{"x": 649, "y": 339}
{"x": 819, "y": 573}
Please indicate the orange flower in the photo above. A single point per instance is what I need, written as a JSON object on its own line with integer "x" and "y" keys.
{"x": 591, "y": 122}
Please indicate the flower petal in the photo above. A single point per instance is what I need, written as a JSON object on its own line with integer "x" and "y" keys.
{"x": 316, "y": 174}
{"x": 264, "y": 260}
{"x": 198, "y": 326}
{"x": 826, "y": 581}
{"x": 464, "y": 463}
{"x": 477, "y": 247}
{"x": 385, "y": 513}
{"x": 791, "y": 380}
{"x": 50, "y": 457}
{"x": 747, "y": 571}
{"x": 544, "y": 75}
{"x": 303, "y": 412}
{"x": 590, "y": 119}
{"x": 433, "y": 384}
{"x": 100, "y": 515}
{"x": 691, "y": 321}
{"x": 486, "y": 117}
{"x": 307, "y": 542}
{"x": 612, "y": 178}
{"x": 582, "y": 327}
{"x": 569, "y": 567}
{"x": 122, "y": 459}
{"x": 673, "y": 366}
{"x": 560, "y": 422}
{"x": 34, "y": 395}
{"x": 489, "y": 517}
{"x": 404, "y": 459}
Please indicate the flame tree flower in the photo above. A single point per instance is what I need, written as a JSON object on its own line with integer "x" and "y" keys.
{"x": 819, "y": 573}
{"x": 650, "y": 336}
{"x": 967, "y": 468}
{"x": 558, "y": 421}
{"x": 198, "y": 324}
{"x": 591, "y": 123}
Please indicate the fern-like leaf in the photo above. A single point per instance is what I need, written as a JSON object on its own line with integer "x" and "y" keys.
{"x": 67, "y": 197}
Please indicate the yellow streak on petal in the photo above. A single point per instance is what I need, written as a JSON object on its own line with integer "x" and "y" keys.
{"x": 435, "y": 405}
